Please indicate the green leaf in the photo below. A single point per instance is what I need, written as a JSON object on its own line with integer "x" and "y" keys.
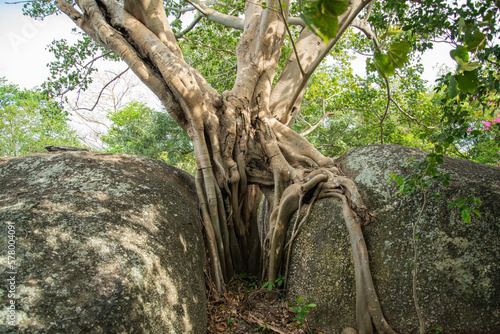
{"x": 334, "y": 7}
{"x": 399, "y": 180}
{"x": 398, "y": 53}
{"x": 461, "y": 23}
{"x": 467, "y": 81}
{"x": 325, "y": 26}
{"x": 383, "y": 64}
{"x": 393, "y": 32}
{"x": 471, "y": 66}
{"x": 465, "y": 215}
{"x": 452, "y": 88}
{"x": 460, "y": 53}
{"x": 476, "y": 42}
{"x": 381, "y": 58}
{"x": 476, "y": 212}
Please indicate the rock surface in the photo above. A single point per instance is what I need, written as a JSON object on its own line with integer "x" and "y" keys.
{"x": 103, "y": 244}
{"x": 459, "y": 269}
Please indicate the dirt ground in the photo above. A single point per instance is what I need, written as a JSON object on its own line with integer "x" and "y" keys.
{"x": 246, "y": 307}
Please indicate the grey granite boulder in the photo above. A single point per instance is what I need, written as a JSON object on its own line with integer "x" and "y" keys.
{"x": 99, "y": 243}
{"x": 459, "y": 278}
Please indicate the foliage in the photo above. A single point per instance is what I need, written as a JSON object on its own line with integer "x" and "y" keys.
{"x": 210, "y": 50}
{"x": 29, "y": 120}
{"x": 302, "y": 310}
{"x": 74, "y": 65}
{"x": 426, "y": 174}
{"x": 359, "y": 103}
{"x": 469, "y": 94}
{"x": 462, "y": 205}
{"x": 321, "y": 16}
{"x": 280, "y": 280}
{"x": 139, "y": 129}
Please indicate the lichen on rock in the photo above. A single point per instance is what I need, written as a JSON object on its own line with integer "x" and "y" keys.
{"x": 104, "y": 244}
{"x": 459, "y": 270}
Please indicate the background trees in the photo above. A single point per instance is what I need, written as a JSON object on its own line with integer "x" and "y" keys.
{"x": 29, "y": 120}
{"x": 139, "y": 129}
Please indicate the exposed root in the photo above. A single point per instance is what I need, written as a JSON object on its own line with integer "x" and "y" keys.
{"x": 216, "y": 268}
{"x": 296, "y": 229}
{"x": 368, "y": 309}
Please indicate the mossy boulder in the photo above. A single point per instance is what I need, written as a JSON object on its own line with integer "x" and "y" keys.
{"x": 103, "y": 244}
{"x": 459, "y": 269}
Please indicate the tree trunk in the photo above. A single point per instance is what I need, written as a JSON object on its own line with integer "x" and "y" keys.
{"x": 242, "y": 141}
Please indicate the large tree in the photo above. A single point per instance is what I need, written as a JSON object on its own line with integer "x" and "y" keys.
{"x": 243, "y": 143}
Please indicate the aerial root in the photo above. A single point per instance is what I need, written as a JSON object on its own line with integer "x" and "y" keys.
{"x": 296, "y": 227}
{"x": 291, "y": 200}
{"x": 368, "y": 308}
{"x": 213, "y": 253}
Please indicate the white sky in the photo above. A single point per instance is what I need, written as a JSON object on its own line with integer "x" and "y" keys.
{"x": 23, "y": 42}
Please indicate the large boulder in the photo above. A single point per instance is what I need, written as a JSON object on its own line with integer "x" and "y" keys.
{"x": 99, "y": 243}
{"x": 459, "y": 270}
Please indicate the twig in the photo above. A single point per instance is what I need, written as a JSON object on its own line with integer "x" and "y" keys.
{"x": 291, "y": 39}
{"x": 369, "y": 11}
{"x": 210, "y": 47}
{"x": 382, "y": 119}
{"x": 102, "y": 90}
{"x": 460, "y": 153}
{"x": 261, "y": 323}
{"x": 197, "y": 6}
{"x": 413, "y": 118}
{"x": 313, "y": 127}
{"x": 415, "y": 259}
{"x": 221, "y": 74}
{"x": 91, "y": 62}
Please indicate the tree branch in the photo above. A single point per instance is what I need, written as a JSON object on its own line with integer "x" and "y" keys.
{"x": 313, "y": 127}
{"x": 118, "y": 44}
{"x": 382, "y": 119}
{"x": 217, "y": 17}
{"x": 190, "y": 26}
{"x": 103, "y": 89}
{"x": 210, "y": 47}
{"x": 345, "y": 21}
{"x": 291, "y": 39}
{"x": 410, "y": 116}
{"x": 78, "y": 18}
{"x": 229, "y": 20}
